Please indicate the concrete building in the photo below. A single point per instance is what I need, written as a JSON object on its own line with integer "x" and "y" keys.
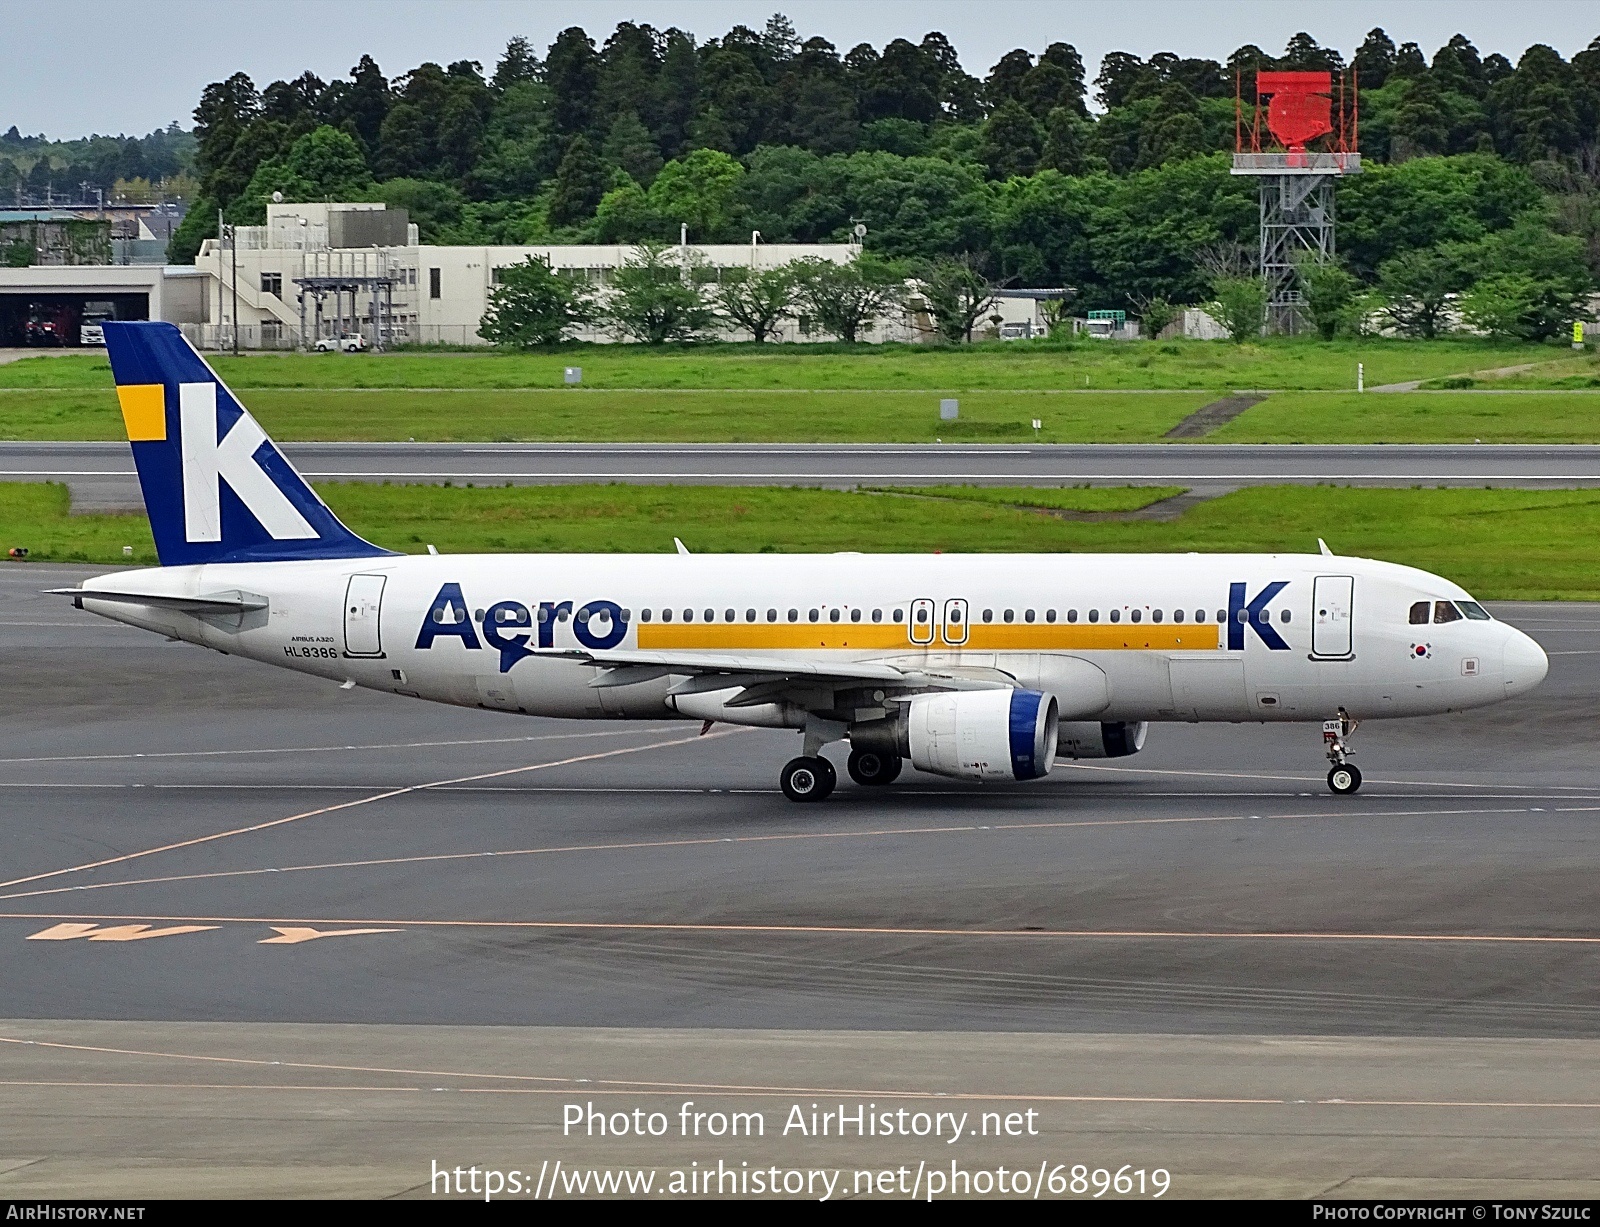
{"x": 319, "y": 271}
{"x": 47, "y": 304}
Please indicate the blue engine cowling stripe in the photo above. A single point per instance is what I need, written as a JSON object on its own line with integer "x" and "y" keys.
{"x": 1025, "y": 717}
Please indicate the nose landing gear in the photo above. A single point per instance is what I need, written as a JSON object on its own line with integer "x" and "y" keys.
{"x": 1344, "y": 777}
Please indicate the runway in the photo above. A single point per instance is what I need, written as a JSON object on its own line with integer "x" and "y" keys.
{"x": 101, "y": 474}
{"x": 206, "y": 860}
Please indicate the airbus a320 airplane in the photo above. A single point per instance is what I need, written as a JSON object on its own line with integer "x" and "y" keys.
{"x": 977, "y": 667}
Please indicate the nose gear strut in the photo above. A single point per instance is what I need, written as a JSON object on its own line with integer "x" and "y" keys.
{"x": 1344, "y": 777}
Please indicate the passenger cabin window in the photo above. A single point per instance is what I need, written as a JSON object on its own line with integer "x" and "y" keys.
{"x": 1009, "y": 615}
{"x": 1116, "y": 615}
{"x": 730, "y": 616}
{"x": 855, "y": 615}
{"x": 1028, "y": 617}
{"x": 1444, "y": 611}
{"x": 877, "y": 615}
{"x": 899, "y": 616}
{"x": 666, "y": 615}
{"x": 644, "y": 615}
{"x": 794, "y": 615}
{"x": 711, "y": 615}
{"x": 1094, "y": 615}
{"x": 1049, "y": 615}
{"x": 688, "y": 615}
{"x": 749, "y": 615}
{"x": 1072, "y": 615}
{"x": 1155, "y": 615}
{"x": 1222, "y": 616}
{"x": 1419, "y": 613}
{"x": 988, "y": 615}
{"x": 813, "y": 615}
{"x": 1135, "y": 615}
{"x": 1474, "y": 611}
{"x": 833, "y": 615}
{"x": 1283, "y": 615}
{"x": 772, "y": 615}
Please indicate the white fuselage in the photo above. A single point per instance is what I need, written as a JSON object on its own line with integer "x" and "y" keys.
{"x": 1113, "y": 637}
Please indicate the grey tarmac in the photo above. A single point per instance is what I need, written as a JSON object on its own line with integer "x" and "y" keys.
{"x": 101, "y": 474}
{"x": 1196, "y": 958}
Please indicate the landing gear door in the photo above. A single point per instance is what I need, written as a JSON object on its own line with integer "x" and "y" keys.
{"x": 1332, "y": 603}
{"x": 955, "y": 622}
{"x": 920, "y": 628}
{"x": 363, "y": 602}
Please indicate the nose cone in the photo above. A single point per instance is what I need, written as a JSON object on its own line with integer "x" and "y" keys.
{"x": 1523, "y": 663}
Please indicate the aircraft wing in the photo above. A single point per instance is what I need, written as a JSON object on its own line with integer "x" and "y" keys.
{"x": 766, "y": 678}
{"x": 658, "y": 664}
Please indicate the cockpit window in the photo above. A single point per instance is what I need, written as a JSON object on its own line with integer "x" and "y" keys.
{"x": 1445, "y": 611}
{"x": 1474, "y": 611}
{"x": 1419, "y": 613}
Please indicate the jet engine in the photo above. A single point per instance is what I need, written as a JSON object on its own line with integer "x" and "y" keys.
{"x": 970, "y": 734}
{"x": 1094, "y": 739}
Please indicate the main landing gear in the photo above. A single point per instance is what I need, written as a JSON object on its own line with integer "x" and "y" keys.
{"x": 1344, "y": 777}
{"x": 808, "y": 778}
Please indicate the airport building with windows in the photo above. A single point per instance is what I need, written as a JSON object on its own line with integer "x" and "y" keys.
{"x": 319, "y": 272}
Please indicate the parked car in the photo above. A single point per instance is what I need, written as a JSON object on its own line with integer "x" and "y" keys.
{"x": 349, "y": 343}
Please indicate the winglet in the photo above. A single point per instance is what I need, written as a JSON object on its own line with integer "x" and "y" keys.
{"x": 682, "y": 548}
{"x": 1323, "y": 546}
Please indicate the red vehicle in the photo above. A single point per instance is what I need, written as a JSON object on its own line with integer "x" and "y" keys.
{"x": 47, "y": 326}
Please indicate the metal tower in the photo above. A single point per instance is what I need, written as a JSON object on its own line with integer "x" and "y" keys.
{"x": 1296, "y": 185}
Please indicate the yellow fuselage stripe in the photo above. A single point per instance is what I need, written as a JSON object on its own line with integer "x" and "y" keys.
{"x": 1016, "y": 637}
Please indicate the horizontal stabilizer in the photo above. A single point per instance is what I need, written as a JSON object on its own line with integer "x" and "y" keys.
{"x": 208, "y": 603}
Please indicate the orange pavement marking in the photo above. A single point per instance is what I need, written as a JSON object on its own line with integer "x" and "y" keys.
{"x": 121, "y": 933}
{"x": 851, "y": 930}
{"x": 294, "y": 935}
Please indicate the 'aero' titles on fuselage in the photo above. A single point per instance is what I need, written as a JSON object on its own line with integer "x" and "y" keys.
{"x": 509, "y": 625}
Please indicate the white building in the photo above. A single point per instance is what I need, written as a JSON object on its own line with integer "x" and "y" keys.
{"x": 323, "y": 270}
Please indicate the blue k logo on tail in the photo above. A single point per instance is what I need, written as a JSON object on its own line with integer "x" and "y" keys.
{"x": 215, "y": 487}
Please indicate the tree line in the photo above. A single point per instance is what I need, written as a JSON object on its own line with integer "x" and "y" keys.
{"x": 626, "y": 140}
{"x": 34, "y": 169}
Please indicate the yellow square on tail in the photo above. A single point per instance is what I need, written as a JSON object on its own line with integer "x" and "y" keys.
{"x": 144, "y": 411}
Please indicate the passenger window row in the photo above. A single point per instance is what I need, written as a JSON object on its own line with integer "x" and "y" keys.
{"x": 772, "y": 615}
{"x": 1134, "y": 615}
{"x": 1445, "y": 612}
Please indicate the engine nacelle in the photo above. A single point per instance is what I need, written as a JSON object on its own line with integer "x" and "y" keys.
{"x": 1094, "y": 739}
{"x": 982, "y": 734}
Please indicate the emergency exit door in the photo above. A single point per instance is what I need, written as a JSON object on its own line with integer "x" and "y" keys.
{"x": 363, "y": 602}
{"x": 1332, "y": 602}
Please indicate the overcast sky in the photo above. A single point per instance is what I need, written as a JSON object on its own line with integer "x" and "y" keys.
{"x": 69, "y": 69}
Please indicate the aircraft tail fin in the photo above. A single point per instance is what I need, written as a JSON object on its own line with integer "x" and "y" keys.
{"x": 215, "y": 487}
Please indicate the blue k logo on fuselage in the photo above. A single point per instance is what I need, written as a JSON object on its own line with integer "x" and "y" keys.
{"x": 1255, "y": 615}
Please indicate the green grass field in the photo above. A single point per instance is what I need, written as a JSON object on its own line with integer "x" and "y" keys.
{"x": 1500, "y": 544}
{"x": 1418, "y": 417}
{"x": 1286, "y": 362}
{"x": 593, "y": 415}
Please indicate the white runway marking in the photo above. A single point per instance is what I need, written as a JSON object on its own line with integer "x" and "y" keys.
{"x": 381, "y": 745}
{"x": 713, "y": 841}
